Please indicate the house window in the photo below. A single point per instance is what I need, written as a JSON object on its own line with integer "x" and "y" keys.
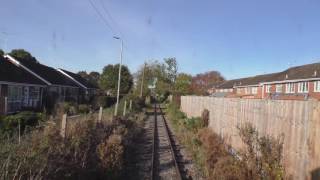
{"x": 317, "y": 86}
{"x": 290, "y": 88}
{"x": 303, "y": 87}
{"x": 279, "y": 88}
{"x": 14, "y": 98}
{"x": 254, "y": 90}
{"x": 34, "y": 92}
{"x": 247, "y": 90}
{"x": 14, "y": 93}
{"x": 268, "y": 88}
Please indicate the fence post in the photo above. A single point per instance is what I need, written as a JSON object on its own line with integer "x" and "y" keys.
{"x": 63, "y": 126}
{"x": 130, "y": 105}
{"x": 125, "y": 108}
{"x": 5, "y": 105}
{"x": 19, "y": 129}
{"x": 100, "y": 115}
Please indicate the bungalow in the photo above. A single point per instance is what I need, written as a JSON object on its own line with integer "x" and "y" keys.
{"x": 59, "y": 88}
{"x": 19, "y": 89}
{"x": 87, "y": 89}
{"x": 297, "y": 83}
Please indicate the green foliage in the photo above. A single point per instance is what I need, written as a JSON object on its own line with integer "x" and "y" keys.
{"x": 193, "y": 124}
{"x": 156, "y": 70}
{"x": 109, "y": 79}
{"x": 1, "y": 53}
{"x": 22, "y": 54}
{"x": 84, "y": 109}
{"x": 10, "y": 123}
{"x": 263, "y": 154}
{"x": 93, "y": 77}
{"x": 171, "y": 69}
{"x": 183, "y": 84}
{"x": 65, "y": 108}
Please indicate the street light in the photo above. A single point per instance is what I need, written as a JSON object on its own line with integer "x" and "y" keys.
{"x": 119, "y": 76}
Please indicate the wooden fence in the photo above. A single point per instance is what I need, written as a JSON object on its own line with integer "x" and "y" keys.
{"x": 297, "y": 121}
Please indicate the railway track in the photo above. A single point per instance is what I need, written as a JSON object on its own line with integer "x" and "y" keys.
{"x": 164, "y": 163}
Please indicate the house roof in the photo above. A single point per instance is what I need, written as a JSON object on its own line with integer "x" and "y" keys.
{"x": 47, "y": 73}
{"x": 14, "y": 74}
{"x": 78, "y": 79}
{"x": 294, "y": 73}
{"x": 300, "y": 72}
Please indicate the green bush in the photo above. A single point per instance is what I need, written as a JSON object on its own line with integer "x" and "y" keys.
{"x": 193, "y": 124}
{"x": 65, "y": 108}
{"x": 104, "y": 101}
{"x": 84, "y": 109}
{"x": 10, "y": 123}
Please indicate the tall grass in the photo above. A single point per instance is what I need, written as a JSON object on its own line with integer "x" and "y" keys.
{"x": 91, "y": 152}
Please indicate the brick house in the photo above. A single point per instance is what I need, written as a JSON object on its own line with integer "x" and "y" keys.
{"x": 297, "y": 83}
{"x": 19, "y": 89}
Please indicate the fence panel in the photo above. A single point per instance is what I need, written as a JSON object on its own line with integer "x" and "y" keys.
{"x": 297, "y": 121}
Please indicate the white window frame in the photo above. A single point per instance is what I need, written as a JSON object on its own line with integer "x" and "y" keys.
{"x": 303, "y": 87}
{"x": 254, "y": 90}
{"x": 268, "y": 88}
{"x": 279, "y": 88}
{"x": 290, "y": 88}
{"x": 316, "y": 85}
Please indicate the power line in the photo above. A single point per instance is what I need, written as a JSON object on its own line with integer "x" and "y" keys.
{"x": 101, "y": 16}
{"x": 105, "y": 9}
{"x": 110, "y": 17}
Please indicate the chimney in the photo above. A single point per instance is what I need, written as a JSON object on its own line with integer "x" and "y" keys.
{"x": 315, "y": 73}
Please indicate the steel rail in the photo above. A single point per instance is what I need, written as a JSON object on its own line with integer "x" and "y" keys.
{"x": 171, "y": 147}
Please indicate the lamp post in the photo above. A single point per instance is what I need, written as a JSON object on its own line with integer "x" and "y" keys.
{"x": 119, "y": 76}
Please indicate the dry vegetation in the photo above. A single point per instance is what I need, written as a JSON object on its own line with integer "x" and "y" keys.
{"x": 94, "y": 151}
{"x": 259, "y": 159}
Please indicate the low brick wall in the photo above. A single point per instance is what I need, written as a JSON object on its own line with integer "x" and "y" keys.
{"x": 298, "y": 121}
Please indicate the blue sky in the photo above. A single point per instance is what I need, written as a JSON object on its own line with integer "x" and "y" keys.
{"x": 237, "y": 38}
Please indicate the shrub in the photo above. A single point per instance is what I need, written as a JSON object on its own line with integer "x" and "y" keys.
{"x": 10, "y": 123}
{"x": 104, "y": 101}
{"x": 262, "y": 155}
{"x": 138, "y": 103}
{"x": 65, "y": 108}
{"x": 193, "y": 124}
{"x": 111, "y": 152}
{"x": 84, "y": 109}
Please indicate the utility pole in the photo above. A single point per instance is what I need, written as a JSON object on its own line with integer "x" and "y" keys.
{"x": 119, "y": 77}
{"x": 144, "y": 69}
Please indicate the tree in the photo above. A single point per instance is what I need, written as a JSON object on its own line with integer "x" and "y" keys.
{"x": 1, "y": 52}
{"x": 202, "y": 82}
{"x": 83, "y": 74}
{"x": 182, "y": 84}
{"x": 171, "y": 68}
{"x": 109, "y": 79}
{"x": 153, "y": 69}
{"x": 23, "y": 54}
{"x": 93, "y": 77}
